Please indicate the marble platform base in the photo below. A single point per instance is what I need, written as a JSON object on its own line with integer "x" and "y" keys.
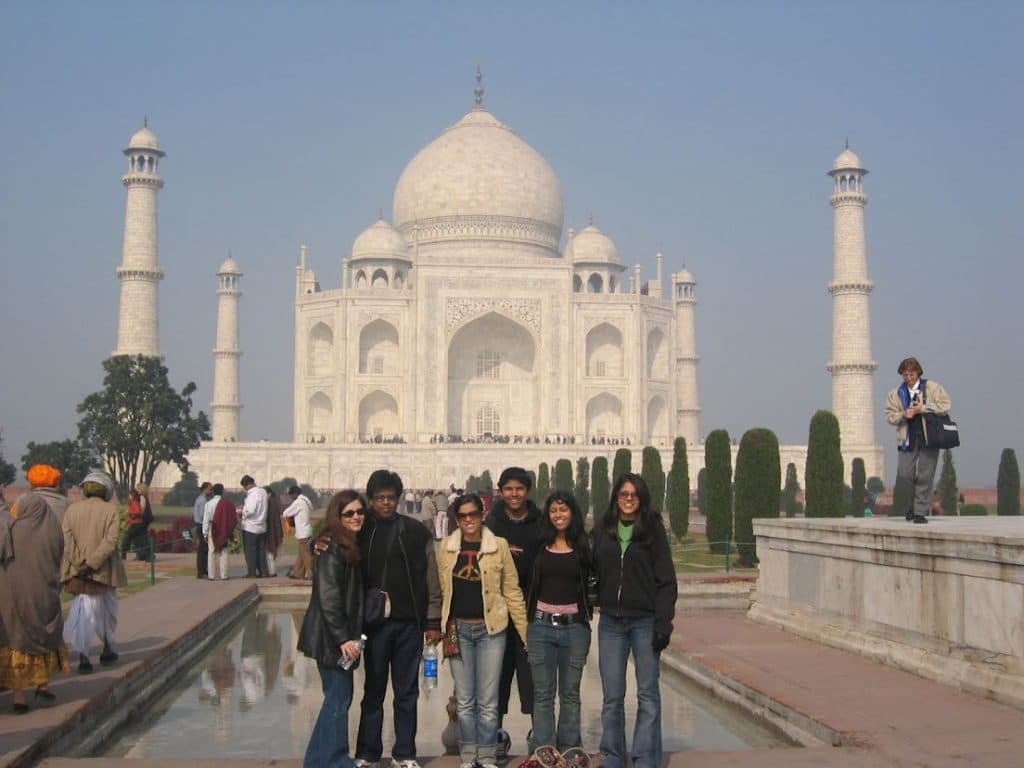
{"x": 943, "y": 600}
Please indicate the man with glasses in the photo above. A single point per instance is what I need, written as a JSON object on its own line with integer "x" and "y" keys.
{"x": 397, "y": 556}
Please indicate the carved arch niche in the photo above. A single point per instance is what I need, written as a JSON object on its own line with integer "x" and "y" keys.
{"x": 604, "y": 351}
{"x": 378, "y": 349}
{"x": 657, "y": 419}
{"x": 318, "y": 413}
{"x": 604, "y": 416}
{"x": 320, "y": 350}
{"x": 378, "y": 415}
{"x": 657, "y": 355}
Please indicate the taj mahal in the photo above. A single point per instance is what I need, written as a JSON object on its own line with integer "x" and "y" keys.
{"x": 474, "y": 330}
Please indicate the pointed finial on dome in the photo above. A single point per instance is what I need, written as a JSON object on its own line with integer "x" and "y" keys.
{"x": 846, "y": 142}
{"x": 380, "y": 214}
{"x": 590, "y": 219}
{"x": 145, "y": 121}
{"x": 478, "y": 91}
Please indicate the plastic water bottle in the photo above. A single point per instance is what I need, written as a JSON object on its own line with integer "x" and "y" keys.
{"x": 348, "y": 663}
{"x": 430, "y": 667}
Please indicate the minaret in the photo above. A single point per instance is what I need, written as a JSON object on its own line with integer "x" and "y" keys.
{"x": 851, "y": 365}
{"x": 684, "y": 297}
{"x": 139, "y": 273}
{"x": 226, "y": 405}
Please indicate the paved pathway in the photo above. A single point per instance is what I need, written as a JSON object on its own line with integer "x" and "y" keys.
{"x": 882, "y": 716}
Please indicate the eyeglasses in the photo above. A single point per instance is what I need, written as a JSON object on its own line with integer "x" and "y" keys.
{"x": 381, "y": 498}
{"x": 466, "y": 515}
{"x": 353, "y": 512}
{"x": 627, "y": 495}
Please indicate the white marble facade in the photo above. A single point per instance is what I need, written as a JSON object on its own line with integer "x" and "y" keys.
{"x": 467, "y": 319}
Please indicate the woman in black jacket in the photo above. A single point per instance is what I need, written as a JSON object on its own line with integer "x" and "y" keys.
{"x": 331, "y": 629}
{"x": 559, "y": 612}
{"x": 637, "y": 596}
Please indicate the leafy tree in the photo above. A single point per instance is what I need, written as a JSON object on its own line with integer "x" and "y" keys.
{"x": 563, "y": 476}
{"x": 582, "y": 489}
{"x": 543, "y": 483}
{"x": 875, "y": 485}
{"x": 824, "y": 473}
{"x": 790, "y": 505}
{"x": 947, "y": 484}
{"x": 757, "y": 488}
{"x": 600, "y": 487}
{"x": 282, "y": 486}
{"x": 183, "y": 493}
{"x": 69, "y": 456}
{"x": 1008, "y": 484}
{"x": 975, "y": 510}
{"x": 654, "y": 476}
{"x": 702, "y": 492}
{"x": 7, "y": 470}
{"x": 138, "y": 421}
{"x": 858, "y": 487}
{"x": 622, "y": 463}
{"x": 718, "y": 490}
{"x": 677, "y": 498}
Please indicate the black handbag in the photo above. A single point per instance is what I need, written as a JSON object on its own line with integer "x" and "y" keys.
{"x": 940, "y": 431}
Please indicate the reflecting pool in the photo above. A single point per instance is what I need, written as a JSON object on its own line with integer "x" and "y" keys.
{"x": 256, "y": 696}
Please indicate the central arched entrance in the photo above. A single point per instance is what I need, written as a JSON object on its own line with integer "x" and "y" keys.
{"x": 492, "y": 379}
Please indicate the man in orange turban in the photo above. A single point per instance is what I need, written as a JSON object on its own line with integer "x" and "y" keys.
{"x": 45, "y": 482}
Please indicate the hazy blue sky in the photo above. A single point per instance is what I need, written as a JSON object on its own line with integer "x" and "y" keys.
{"x": 701, "y": 130}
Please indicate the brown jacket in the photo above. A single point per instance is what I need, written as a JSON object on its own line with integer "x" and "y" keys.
{"x": 90, "y": 538}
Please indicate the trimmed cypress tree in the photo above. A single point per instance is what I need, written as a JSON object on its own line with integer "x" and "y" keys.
{"x": 1008, "y": 484}
{"x": 600, "y": 487}
{"x": 947, "y": 484}
{"x": 790, "y": 505}
{"x": 654, "y": 476}
{"x": 543, "y": 482}
{"x": 757, "y": 488}
{"x": 858, "y": 487}
{"x": 824, "y": 496}
{"x": 718, "y": 489}
{"x": 902, "y": 498}
{"x": 677, "y": 497}
{"x": 532, "y": 495}
{"x": 562, "y": 480}
{"x": 486, "y": 483}
{"x": 581, "y": 491}
{"x": 622, "y": 463}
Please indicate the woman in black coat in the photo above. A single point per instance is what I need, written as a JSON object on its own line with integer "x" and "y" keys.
{"x": 332, "y": 627}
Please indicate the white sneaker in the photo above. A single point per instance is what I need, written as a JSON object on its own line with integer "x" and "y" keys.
{"x": 404, "y": 764}
{"x": 488, "y": 765}
{"x": 360, "y": 763}
{"x": 467, "y": 765}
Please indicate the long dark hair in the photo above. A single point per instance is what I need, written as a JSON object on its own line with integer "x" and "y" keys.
{"x": 341, "y": 535}
{"x": 645, "y": 515}
{"x": 575, "y": 534}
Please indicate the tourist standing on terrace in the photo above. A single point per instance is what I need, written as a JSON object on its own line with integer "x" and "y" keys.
{"x": 91, "y": 570}
{"x": 481, "y": 594}
{"x": 219, "y": 521}
{"x": 904, "y": 409}
{"x": 331, "y": 629}
{"x": 31, "y": 648}
{"x": 517, "y": 520}
{"x": 637, "y": 597}
{"x": 198, "y": 510}
{"x": 398, "y": 558}
{"x": 301, "y": 512}
{"x": 254, "y": 528}
{"x": 559, "y": 610}
{"x": 45, "y": 481}
{"x": 275, "y": 530}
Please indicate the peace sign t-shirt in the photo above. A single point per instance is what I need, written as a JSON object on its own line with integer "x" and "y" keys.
{"x": 467, "y": 588}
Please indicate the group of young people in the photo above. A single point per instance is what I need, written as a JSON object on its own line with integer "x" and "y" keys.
{"x": 513, "y": 594}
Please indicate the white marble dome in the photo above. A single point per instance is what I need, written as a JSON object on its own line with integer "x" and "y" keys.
{"x": 380, "y": 240}
{"x": 144, "y": 139}
{"x": 229, "y": 267}
{"x": 478, "y": 180}
{"x": 847, "y": 160}
{"x": 591, "y": 245}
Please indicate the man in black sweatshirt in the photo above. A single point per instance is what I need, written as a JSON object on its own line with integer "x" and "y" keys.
{"x": 515, "y": 518}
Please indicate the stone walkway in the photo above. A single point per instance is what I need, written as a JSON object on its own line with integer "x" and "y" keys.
{"x": 879, "y": 716}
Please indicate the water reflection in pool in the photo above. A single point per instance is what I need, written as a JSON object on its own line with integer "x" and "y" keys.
{"x": 256, "y": 696}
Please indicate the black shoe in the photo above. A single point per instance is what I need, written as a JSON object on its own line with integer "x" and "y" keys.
{"x": 20, "y": 708}
{"x": 919, "y": 519}
{"x": 106, "y": 659}
{"x": 910, "y": 516}
{"x": 84, "y": 666}
{"x": 45, "y": 698}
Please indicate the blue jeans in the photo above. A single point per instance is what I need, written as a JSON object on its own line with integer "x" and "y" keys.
{"x": 254, "y": 547}
{"x": 397, "y": 645}
{"x": 557, "y": 656}
{"x": 476, "y": 672}
{"x": 328, "y": 744}
{"x": 617, "y": 637}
